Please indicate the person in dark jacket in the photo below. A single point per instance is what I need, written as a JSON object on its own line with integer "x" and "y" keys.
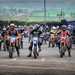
{"x": 36, "y": 32}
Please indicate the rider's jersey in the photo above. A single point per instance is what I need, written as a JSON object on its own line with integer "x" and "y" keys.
{"x": 35, "y": 33}
{"x": 52, "y": 35}
{"x": 13, "y": 33}
{"x": 64, "y": 33}
{"x": 64, "y": 36}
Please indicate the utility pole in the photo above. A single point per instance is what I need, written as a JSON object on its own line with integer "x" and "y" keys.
{"x": 45, "y": 11}
{"x": 62, "y": 14}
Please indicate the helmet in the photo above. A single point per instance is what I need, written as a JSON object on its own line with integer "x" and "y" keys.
{"x": 53, "y": 27}
{"x": 36, "y": 26}
{"x": 57, "y": 27}
{"x": 64, "y": 27}
{"x": 4, "y": 28}
{"x": 12, "y": 25}
{"x": 8, "y": 26}
{"x": 69, "y": 26}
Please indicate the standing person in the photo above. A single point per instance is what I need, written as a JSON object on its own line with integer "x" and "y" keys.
{"x": 53, "y": 36}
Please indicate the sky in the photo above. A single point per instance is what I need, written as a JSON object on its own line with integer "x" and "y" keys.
{"x": 39, "y": 3}
{"x": 9, "y": 6}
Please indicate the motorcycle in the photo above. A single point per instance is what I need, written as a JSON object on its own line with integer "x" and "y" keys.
{"x": 53, "y": 40}
{"x": 63, "y": 46}
{"x": 35, "y": 46}
{"x": 12, "y": 46}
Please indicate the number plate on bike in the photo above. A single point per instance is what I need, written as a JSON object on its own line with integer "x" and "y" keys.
{"x": 12, "y": 39}
{"x": 35, "y": 40}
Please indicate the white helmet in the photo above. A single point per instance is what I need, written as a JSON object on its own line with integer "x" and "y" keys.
{"x": 12, "y": 24}
{"x": 57, "y": 27}
{"x": 36, "y": 26}
{"x": 64, "y": 26}
{"x": 53, "y": 27}
{"x": 4, "y": 28}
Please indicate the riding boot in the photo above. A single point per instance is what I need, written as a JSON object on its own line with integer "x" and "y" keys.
{"x": 53, "y": 45}
{"x": 7, "y": 48}
{"x": 4, "y": 47}
{"x": 29, "y": 55}
{"x": 37, "y": 53}
{"x": 69, "y": 53}
{"x": 39, "y": 46}
{"x": 30, "y": 50}
{"x": 22, "y": 44}
{"x": 39, "y": 49}
{"x": 18, "y": 53}
{"x": 49, "y": 44}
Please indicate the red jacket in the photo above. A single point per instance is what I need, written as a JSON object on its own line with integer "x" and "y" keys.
{"x": 64, "y": 35}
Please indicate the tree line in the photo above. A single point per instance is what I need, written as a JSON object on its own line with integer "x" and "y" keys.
{"x": 23, "y": 23}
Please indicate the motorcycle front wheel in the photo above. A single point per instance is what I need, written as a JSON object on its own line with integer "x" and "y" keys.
{"x": 35, "y": 52}
{"x": 62, "y": 51}
{"x": 11, "y": 49}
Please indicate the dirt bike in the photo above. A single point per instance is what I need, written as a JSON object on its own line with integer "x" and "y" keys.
{"x": 64, "y": 46}
{"x": 35, "y": 46}
{"x": 52, "y": 40}
{"x": 12, "y": 46}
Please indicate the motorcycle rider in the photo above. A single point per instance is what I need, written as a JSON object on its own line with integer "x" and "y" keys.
{"x": 65, "y": 33}
{"x": 35, "y": 33}
{"x": 53, "y": 36}
{"x": 13, "y": 32}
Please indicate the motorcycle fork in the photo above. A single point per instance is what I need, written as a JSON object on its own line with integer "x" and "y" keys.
{"x": 64, "y": 47}
{"x": 35, "y": 48}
